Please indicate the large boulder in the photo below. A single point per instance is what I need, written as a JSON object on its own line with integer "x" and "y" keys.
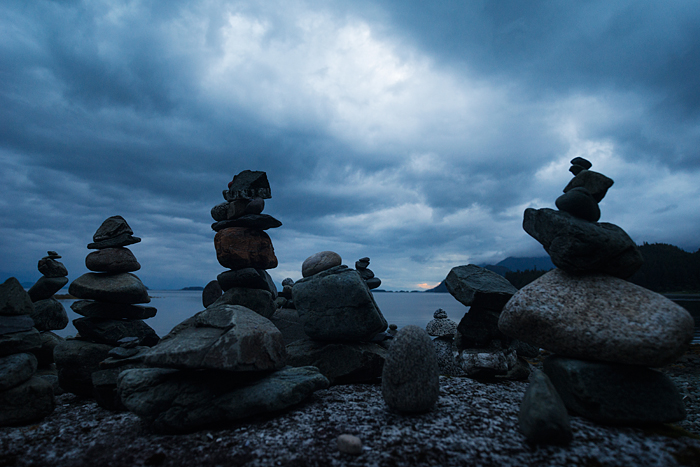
{"x": 174, "y": 401}
{"x": 582, "y": 247}
{"x": 598, "y": 317}
{"x": 30, "y": 401}
{"x": 49, "y": 315}
{"x": 111, "y": 331}
{"x": 14, "y": 300}
{"x": 240, "y": 247}
{"x": 260, "y": 301}
{"x": 122, "y": 287}
{"x": 476, "y": 286}
{"x": 223, "y": 337}
{"x": 336, "y": 304}
{"x": 76, "y": 361}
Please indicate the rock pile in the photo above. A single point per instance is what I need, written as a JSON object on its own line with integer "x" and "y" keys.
{"x": 24, "y": 396}
{"x": 113, "y": 319}
{"x": 366, "y": 273}
{"x": 443, "y": 330}
{"x": 340, "y": 318}
{"x": 605, "y": 332}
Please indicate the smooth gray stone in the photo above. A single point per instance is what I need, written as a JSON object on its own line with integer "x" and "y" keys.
{"x": 175, "y": 401}
{"x": 581, "y": 247}
{"x": 472, "y": 285}
{"x": 248, "y": 278}
{"x": 28, "y": 402}
{"x": 22, "y": 341}
{"x": 222, "y": 337}
{"x": 15, "y": 369}
{"x": 49, "y": 341}
{"x": 595, "y": 183}
{"x": 49, "y": 267}
{"x": 116, "y": 242}
{"x": 478, "y": 328}
{"x": 336, "y": 305}
{"x": 9, "y": 324}
{"x": 14, "y": 300}
{"x": 248, "y": 184}
{"x": 49, "y": 315}
{"x": 290, "y": 325}
{"x": 579, "y": 203}
{"x": 543, "y": 418}
{"x": 92, "y": 309}
{"x": 211, "y": 293}
{"x": 112, "y": 260}
{"x": 123, "y": 288}
{"x": 411, "y": 379}
{"x": 111, "y": 331}
{"x": 341, "y": 363}
{"x": 321, "y": 261}
{"x": 613, "y": 393}
{"x": 112, "y": 227}
{"x": 251, "y": 221}
{"x": 45, "y": 287}
{"x": 76, "y": 360}
{"x": 260, "y": 301}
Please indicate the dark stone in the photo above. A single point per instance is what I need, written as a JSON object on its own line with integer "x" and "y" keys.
{"x": 475, "y": 286}
{"x": 9, "y": 324}
{"x": 581, "y": 247}
{"x": 288, "y": 281}
{"x": 362, "y": 264}
{"x": 353, "y": 363}
{"x": 576, "y": 169}
{"x": 411, "y": 379}
{"x": 255, "y": 206}
{"x": 613, "y": 393}
{"x": 44, "y": 354}
{"x": 92, "y": 309}
{"x": 219, "y": 212}
{"x": 104, "y": 384}
{"x": 14, "y": 300}
{"x": 22, "y": 341}
{"x": 366, "y": 274}
{"x": 76, "y": 361}
{"x": 579, "y": 203}
{"x": 373, "y": 283}
{"x": 112, "y": 260}
{"x": 478, "y": 328}
{"x": 28, "y": 402}
{"x": 251, "y": 221}
{"x": 110, "y": 331}
{"x": 15, "y": 369}
{"x": 260, "y": 301}
{"x": 288, "y": 322}
{"x": 489, "y": 363}
{"x": 248, "y": 278}
{"x": 595, "y": 183}
{"x": 45, "y": 287}
{"x": 124, "y": 288}
{"x": 116, "y": 242}
{"x": 238, "y": 248}
{"x": 586, "y": 164}
{"x": 523, "y": 349}
{"x": 49, "y": 315}
{"x": 320, "y": 261}
{"x": 543, "y": 418}
{"x": 49, "y": 267}
{"x": 211, "y": 293}
{"x": 112, "y": 227}
{"x": 248, "y": 184}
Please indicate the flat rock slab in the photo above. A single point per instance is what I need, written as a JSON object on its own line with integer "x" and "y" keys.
{"x": 14, "y": 300}
{"x": 15, "y": 369}
{"x": 76, "y": 361}
{"x": 224, "y": 337}
{"x": 45, "y": 287}
{"x": 111, "y": 331}
{"x": 49, "y": 315}
{"x": 475, "y": 286}
{"x": 598, "y": 317}
{"x": 27, "y": 402}
{"x": 22, "y": 341}
{"x": 174, "y": 401}
{"x": 613, "y": 393}
{"x": 93, "y": 309}
{"x": 251, "y": 221}
{"x": 123, "y": 288}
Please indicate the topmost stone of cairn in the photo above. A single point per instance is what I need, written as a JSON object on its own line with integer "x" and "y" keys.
{"x": 247, "y": 185}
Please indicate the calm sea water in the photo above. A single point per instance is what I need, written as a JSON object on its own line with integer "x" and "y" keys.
{"x": 402, "y": 309}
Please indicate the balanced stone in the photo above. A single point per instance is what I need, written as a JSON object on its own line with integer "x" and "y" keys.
{"x": 49, "y": 267}
{"x": 111, "y": 331}
{"x": 478, "y": 327}
{"x": 112, "y": 260}
{"x": 579, "y": 203}
{"x": 238, "y": 248}
{"x": 49, "y": 315}
{"x": 14, "y": 300}
{"x": 116, "y": 242}
{"x": 21, "y": 341}
{"x": 9, "y": 324}
{"x": 321, "y": 261}
{"x": 123, "y": 288}
{"x": 248, "y": 184}
{"x": 543, "y": 417}
{"x": 410, "y": 379}
{"x": 46, "y": 287}
{"x": 220, "y": 211}
{"x": 581, "y": 247}
{"x": 27, "y": 402}
{"x": 211, "y": 293}
{"x": 598, "y": 317}
{"x": 473, "y": 285}
{"x": 251, "y": 221}
{"x": 15, "y": 369}
{"x": 76, "y": 361}
{"x": 595, "y": 183}
{"x": 260, "y": 301}
{"x": 441, "y": 325}
{"x": 112, "y": 227}
{"x": 248, "y": 278}
{"x": 92, "y": 309}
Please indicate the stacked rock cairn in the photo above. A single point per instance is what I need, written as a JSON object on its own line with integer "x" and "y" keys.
{"x": 24, "y": 395}
{"x": 362, "y": 266}
{"x": 228, "y": 361}
{"x": 606, "y": 334}
{"x": 113, "y": 321}
{"x": 443, "y": 329}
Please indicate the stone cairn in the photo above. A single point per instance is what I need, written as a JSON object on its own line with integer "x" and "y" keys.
{"x": 443, "y": 330}
{"x": 340, "y": 320}
{"x": 606, "y": 334}
{"x": 113, "y": 321}
{"x": 228, "y": 361}
{"x": 24, "y": 396}
{"x": 366, "y": 273}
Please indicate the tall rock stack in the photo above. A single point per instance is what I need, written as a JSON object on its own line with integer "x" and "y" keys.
{"x": 606, "y": 333}
{"x": 362, "y": 266}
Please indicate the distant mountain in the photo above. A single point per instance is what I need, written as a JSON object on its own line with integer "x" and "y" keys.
{"x": 501, "y": 270}
{"x": 441, "y": 288}
{"x": 192, "y": 288}
{"x": 668, "y": 268}
{"x": 541, "y": 263}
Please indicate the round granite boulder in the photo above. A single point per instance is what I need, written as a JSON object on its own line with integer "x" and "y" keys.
{"x": 321, "y": 261}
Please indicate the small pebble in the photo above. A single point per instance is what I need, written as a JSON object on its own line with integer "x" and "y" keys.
{"x": 349, "y": 444}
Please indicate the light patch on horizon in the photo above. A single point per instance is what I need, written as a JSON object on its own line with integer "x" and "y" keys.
{"x": 427, "y": 286}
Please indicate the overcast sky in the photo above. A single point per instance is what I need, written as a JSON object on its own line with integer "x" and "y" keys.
{"x": 412, "y": 132}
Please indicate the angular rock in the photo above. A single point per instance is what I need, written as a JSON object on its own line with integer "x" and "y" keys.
{"x": 92, "y": 309}
{"x": 441, "y": 325}
{"x": 321, "y": 261}
{"x": 44, "y": 354}
{"x": 116, "y": 242}
{"x": 260, "y": 301}
{"x": 49, "y": 267}
{"x": 224, "y": 337}
{"x": 211, "y": 293}
{"x": 486, "y": 362}
{"x": 543, "y": 418}
{"x": 615, "y": 394}
{"x": 14, "y": 300}
{"x": 112, "y": 260}
{"x": 175, "y": 401}
{"x": 579, "y": 203}
{"x": 112, "y": 227}
{"x": 410, "y": 380}
{"x": 290, "y": 325}
{"x": 9, "y": 324}
{"x": 336, "y": 305}
{"x": 236, "y": 208}
{"x": 473, "y": 285}
{"x": 111, "y": 331}
{"x": 49, "y": 315}
{"x": 124, "y": 288}
{"x": 238, "y": 248}
{"x": 249, "y": 221}
{"x": 248, "y": 184}
{"x": 15, "y": 369}
{"x": 28, "y": 402}
{"x": 22, "y": 341}
{"x": 360, "y": 362}
{"x": 595, "y": 183}
{"x": 581, "y": 247}
{"x": 76, "y": 361}
{"x": 45, "y": 287}
{"x": 478, "y": 328}
{"x": 248, "y": 278}
{"x": 598, "y": 317}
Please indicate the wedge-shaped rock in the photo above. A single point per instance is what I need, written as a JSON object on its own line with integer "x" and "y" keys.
{"x": 14, "y": 300}
{"x": 225, "y": 337}
{"x": 475, "y": 286}
{"x": 543, "y": 417}
{"x": 598, "y": 317}
{"x": 114, "y": 288}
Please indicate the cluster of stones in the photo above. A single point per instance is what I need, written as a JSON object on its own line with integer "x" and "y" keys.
{"x": 24, "y": 395}
{"x": 113, "y": 324}
{"x": 606, "y": 334}
{"x": 362, "y": 266}
{"x": 341, "y": 322}
{"x": 443, "y": 330}
{"x": 49, "y": 314}
{"x": 228, "y": 361}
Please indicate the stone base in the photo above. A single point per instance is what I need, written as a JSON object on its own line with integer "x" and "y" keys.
{"x": 28, "y": 402}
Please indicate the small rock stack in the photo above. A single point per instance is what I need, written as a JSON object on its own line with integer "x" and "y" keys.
{"x": 112, "y": 317}
{"x": 243, "y": 246}
{"x": 367, "y": 275}
{"x": 443, "y": 330}
{"x": 340, "y": 318}
{"x": 605, "y": 332}
{"x": 24, "y": 396}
